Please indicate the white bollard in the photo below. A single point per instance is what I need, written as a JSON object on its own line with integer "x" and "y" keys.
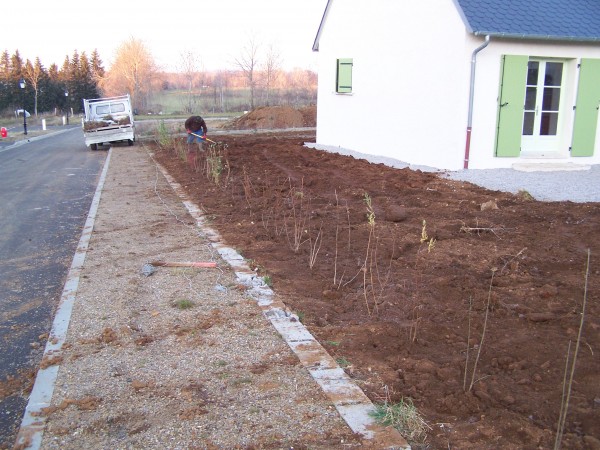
{"x": 44, "y": 124}
{"x": 64, "y": 120}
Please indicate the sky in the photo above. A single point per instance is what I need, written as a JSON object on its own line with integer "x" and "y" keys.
{"x": 216, "y": 31}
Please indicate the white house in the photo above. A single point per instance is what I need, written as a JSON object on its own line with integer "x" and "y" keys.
{"x": 458, "y": 84}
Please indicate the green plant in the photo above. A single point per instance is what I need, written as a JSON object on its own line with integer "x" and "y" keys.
{"x": 184, "y": 304}
{"x": 300, "y": 315}
{"x": 525, "y": 195}
{"x": 404, "y": 417}
{"x": 336, "y": 343}
{"x": 267, "y": 280}
{"x": 163, "y": 137}
{"x": 215, "y": 165}
{"x": 343, "y": 362}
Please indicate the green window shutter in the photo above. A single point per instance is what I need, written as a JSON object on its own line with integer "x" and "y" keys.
{"x": 344, "y": 75}
{"x": 586, "y": 109}
{"x": 510, "y": 106}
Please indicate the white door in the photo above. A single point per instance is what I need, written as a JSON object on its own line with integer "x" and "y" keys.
{"x": 542, "y": 112}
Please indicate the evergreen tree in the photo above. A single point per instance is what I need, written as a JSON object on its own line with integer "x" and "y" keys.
{"x": 55, "y": 93}
{"x": 45, "y": 89}
{"x": 85, "y": 79}
{"x": 18, "y": 96}
{"x": 6, "y": 87}
{"x": 98, "y": 71}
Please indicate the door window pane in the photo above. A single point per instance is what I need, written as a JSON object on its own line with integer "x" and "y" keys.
{"x": 553, "y": 74}
{"x": 530, "y": 95}
{"x": 528, "y": 119}
{"x": 549, "y": 124}
{"x": 551, "y": 99}
{"x": 532, "y": 72}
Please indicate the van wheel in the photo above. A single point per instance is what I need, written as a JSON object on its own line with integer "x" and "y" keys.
{"x": 93, "y": 146}
{"x": 130, "y": 142}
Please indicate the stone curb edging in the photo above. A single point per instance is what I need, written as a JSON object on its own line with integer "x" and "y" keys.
{"x": 349, "y": 400}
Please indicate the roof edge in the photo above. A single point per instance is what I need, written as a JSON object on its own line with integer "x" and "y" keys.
{"x": 315, "y": 47}
{"x": 463, "y": 16}
{"x": 536, "y": 37}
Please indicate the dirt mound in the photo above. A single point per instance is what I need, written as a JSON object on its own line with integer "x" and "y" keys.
{"x": 268, "y": 117}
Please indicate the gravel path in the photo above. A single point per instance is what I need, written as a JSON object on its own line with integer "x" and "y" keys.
{"x": 182, "y": 358}
{"x": 578, "y": 186}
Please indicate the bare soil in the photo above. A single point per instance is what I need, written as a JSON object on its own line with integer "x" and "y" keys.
{"x": 396, "y": 271}
{"x": 265, "y": 117}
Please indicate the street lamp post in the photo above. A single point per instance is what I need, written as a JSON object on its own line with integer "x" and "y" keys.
{"x": 22, "y": 86}
{"x": 67, "y": 96}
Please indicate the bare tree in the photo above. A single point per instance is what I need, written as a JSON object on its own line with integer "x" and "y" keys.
{"x": 220, "y": 85}
{"x": 271, "y": 70}
{"x": 189, "y": 68}
{"x": 133, "y": 71}
{"x": 33, "y": 73}
{"x": 248, "y": 64}
{"x": 300, "y": 86}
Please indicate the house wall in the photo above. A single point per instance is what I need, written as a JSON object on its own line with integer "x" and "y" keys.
{"x": 487, "y": 89}
{"x": 410, "y": 81}
{"x": 410, "y": 87}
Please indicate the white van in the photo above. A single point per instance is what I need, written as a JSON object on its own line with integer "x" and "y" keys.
{"x": 108, "y": 120}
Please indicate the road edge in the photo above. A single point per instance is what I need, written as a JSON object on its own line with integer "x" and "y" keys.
{"x": 32, "y": 425}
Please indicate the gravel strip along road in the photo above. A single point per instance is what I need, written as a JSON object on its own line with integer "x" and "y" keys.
{"x": 181, "y": 358}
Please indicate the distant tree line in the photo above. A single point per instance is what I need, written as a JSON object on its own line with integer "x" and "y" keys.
{"x": 45, "y": 88}
{"x": 134, "y": 72}
{"x": 226, "y": 90}
{"x": 257, "y": 70}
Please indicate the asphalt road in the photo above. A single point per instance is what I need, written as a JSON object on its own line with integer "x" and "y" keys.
{"x": 46, "y": 189}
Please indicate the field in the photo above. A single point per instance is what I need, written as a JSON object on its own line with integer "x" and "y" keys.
{"x": 468, "y": 302}
{"x": 210, "y": 101}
